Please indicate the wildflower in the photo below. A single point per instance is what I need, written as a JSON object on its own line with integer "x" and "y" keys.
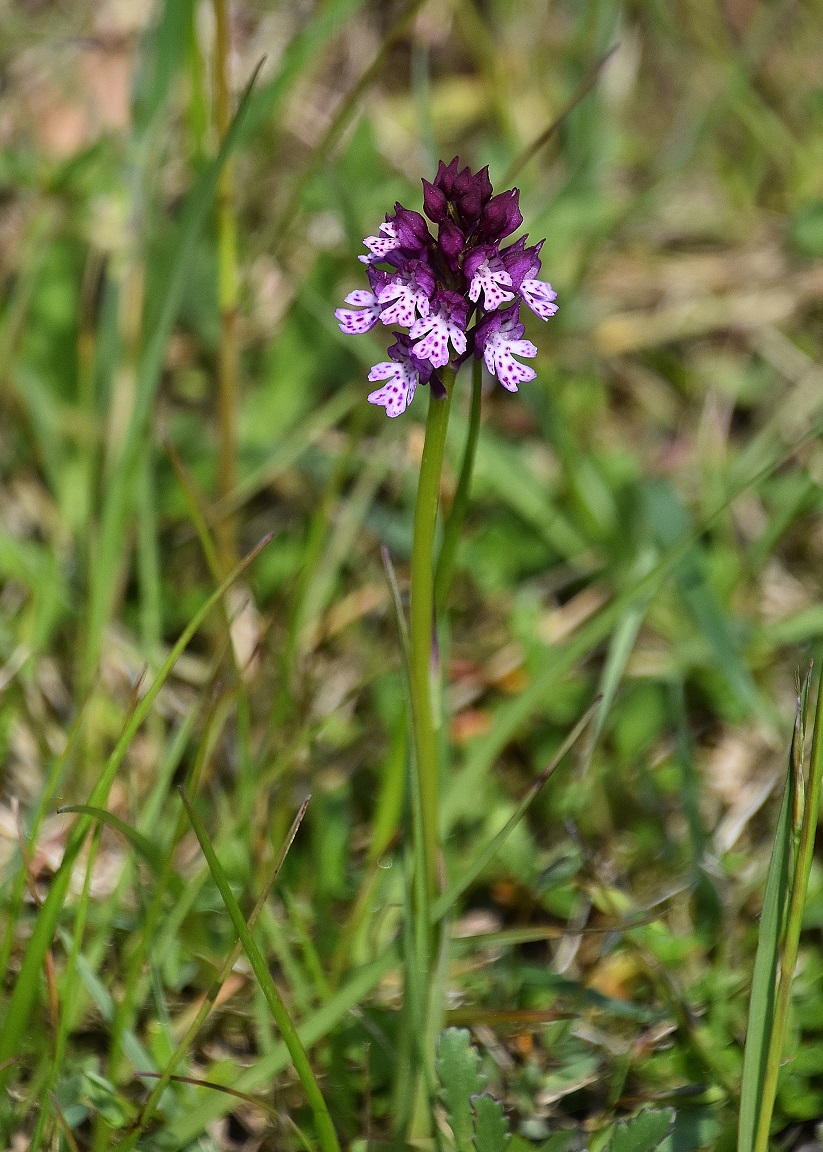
{"x": 411, "y": 290}
{"x": 403, "y": 372}
{"x": 499, "y": 338}
{"x": 457, "y": 292}
{"x": 445, "y": 322}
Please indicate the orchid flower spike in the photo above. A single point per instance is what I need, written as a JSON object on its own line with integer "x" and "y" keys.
{"x": 455, "y": 293}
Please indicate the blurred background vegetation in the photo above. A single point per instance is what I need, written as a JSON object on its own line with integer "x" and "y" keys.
{"x": 645, "y": 523}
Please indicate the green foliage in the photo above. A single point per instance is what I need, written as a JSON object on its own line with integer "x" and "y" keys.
{"x": 476, "y": 1119}
{"x": 645, "y": 1132}
{"x": 643, "y": 527}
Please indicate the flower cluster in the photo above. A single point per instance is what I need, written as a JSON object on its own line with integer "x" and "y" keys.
{"x": 456, "y": 294}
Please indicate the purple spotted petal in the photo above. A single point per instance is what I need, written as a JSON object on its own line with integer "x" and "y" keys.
{"x": 492, "y": 279}
{"x": 380, "y": 246}
{"x": 445, "y": 322}
{"x": 396, "y": 395}
{"x": 356, "y": 323}
{"x": 540, "y": 297}
{"x": 410, "y": 289}
{"x": 499, "y": 356}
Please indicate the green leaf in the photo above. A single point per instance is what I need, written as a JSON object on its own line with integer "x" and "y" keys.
{"x": 644, "y": 1132}
{"x": 458, "y": 1069}
{"x": 491, "y": 1126}
{"x": 769, "y": 940}
{"x": 807, "y": 228}
{"x": 102, "y": 1098}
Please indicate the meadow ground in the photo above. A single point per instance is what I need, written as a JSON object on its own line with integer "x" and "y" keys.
{"x": 644, "y": 525}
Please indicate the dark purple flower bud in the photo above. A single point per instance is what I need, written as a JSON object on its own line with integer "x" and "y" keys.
{"x": 450, "y": 240}
{"x": 483, "y": 184}
{"x": 501, "y": 216}
{"x": 469, "y": 206}
{"x": 377, "y": 278}
{"x": 435, "y": 204}
{"x": 445, "y": 177}
{"x": 463, "y": 183}
{"x": 412, "y": 230}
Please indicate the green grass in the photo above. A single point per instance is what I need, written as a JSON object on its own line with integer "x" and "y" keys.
{"x": 640, "y": 547}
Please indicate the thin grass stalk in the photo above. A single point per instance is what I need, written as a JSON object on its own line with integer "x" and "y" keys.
{"x": 805, "y": 822}
{"x": 226, "y": 527}
{"x": 116, "y": 503}
{"x": 325, "y": 1129}
{"x": 52, "y": 783}
{"x": 457, "y": 514}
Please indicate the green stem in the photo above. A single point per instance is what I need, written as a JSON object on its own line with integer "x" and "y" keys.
{"x": 423, "y": 939}
{"x": 460, "y": 504}
{"x": 807, "y": 822}
{"x": 227, "y": 293}
{"x": 421, "y": 627}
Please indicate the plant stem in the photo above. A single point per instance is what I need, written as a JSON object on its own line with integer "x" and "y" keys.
{"x": 460, "y": 504}
{"x": 805, "y": 825}
{"x": 422, "y": 625}
{"x": 226, "y": 293}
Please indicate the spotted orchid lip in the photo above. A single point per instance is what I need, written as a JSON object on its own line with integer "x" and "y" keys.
{"x": 456, "y": 293}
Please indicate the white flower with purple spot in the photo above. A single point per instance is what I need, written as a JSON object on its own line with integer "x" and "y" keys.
{"x": 540, "y": 297}
{"x": 487, "y": 274}
{"x": 499, "y": 337}
{"x": 446, "y": 321}
{"x": 355, "y": 323}
{"x": 410, "y": 291}
{"x": 402, "y": 375}
{"x": 398, "y": 393}
{"x": 380, "y": 246}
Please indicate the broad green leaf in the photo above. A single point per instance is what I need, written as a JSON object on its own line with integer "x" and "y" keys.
{"x": 645, "y": 1132}
{"x": 458, "y": 1069}
{"x": 491, "y": 1127}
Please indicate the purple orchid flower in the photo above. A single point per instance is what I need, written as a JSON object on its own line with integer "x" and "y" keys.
{"x": 457, "y": 292}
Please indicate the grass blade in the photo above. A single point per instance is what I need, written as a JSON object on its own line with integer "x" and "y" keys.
{"x": 325, "y": 1128}
{"x": 761, "y": 1021}
{"x": 27, "y": 984}
{"x": 115, "y": 508}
